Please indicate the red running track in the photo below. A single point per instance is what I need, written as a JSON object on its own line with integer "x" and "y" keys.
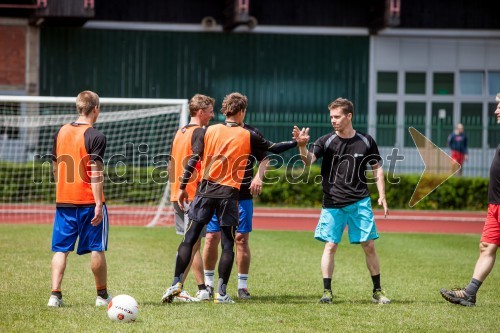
{"x": 412, "y": 221}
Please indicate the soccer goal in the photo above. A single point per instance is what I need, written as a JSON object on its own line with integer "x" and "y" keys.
{"x": 139, "y": 135}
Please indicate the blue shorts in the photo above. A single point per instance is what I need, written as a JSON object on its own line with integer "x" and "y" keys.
{"x": 71, "y": 223}
{"x": 245, "y": 208}
{"x": 357, "y": 216}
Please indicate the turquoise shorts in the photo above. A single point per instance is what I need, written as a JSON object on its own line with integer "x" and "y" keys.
{"x": 357, "y": 216}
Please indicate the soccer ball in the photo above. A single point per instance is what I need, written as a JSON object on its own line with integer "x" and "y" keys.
{"x": 123, "y": 308}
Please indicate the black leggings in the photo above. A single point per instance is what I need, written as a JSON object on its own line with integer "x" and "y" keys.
{"x": 192, "y": 235}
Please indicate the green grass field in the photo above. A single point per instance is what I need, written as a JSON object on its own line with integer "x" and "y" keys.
{"x": 285, "y": 282}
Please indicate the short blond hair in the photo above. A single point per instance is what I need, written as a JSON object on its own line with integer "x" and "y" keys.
{"x": 198, "y": 102}
{"x": 234, "y": 103}
{"x": 86, "y": 101}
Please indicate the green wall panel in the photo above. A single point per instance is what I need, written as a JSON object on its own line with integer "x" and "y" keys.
{"x": 289, "y": 79}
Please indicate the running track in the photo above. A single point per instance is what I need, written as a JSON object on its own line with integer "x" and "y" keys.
{"x": 412, "y": 221}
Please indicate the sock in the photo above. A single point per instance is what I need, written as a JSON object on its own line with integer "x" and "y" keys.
{"x": 473, "y": 287}
{"x": 57, "y": 293}
{"x": 376, "y": 282}
{"x": 242, "y": 281}
{"x": 221, "y": 287}
{"x": 177, "y": 279}
{"x": 202, "y": 286}
{"x": 103, "y": 292}
{"x": 209, "y": 277}
{"x": 327, "y": 283}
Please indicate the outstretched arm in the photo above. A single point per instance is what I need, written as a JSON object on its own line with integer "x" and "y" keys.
{"x": 302, "y": 138}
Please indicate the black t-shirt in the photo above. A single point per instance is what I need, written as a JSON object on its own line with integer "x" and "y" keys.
{"x": 343, "y": 167}
{"x": 494, "y": 184}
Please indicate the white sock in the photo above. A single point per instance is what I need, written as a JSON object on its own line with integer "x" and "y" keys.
{"x": 242, "y": 281}
{"x": 209, "y": 278}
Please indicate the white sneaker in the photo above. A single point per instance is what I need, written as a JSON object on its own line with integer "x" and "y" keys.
{"x": 226, "y": 299}
{"x": 55, "y": 302}
{"x": 99, "y": 301}
{"x": 185, "y": 297}
{"x": 171, "y": 292}
{"x": 203, "y": 295}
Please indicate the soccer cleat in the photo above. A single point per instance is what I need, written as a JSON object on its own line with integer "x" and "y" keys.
{"x": 226, "y": 299}
{"x": 99, "y": 301}
{"x": 458, "y": 296}
{"x": 210, "y": 290}
{"x": 243, "y": 293}
{"x": 203, "y": 295}
{"x": 55, "y": 302}
{"x": 185, "y": 297}
{"x": 171, "y": 292}
{"x": 327, "y": 297}
{"x": 380, "y": 298}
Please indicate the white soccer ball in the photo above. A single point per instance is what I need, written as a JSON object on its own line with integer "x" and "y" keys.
{"x": 123, "y": 308}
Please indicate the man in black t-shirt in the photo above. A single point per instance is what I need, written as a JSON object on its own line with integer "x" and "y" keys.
{"x": 490, "y": 239}
{"x": 346, "y": 154}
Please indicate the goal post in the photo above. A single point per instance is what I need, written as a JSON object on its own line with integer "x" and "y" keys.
{"x": 139, "y": 134}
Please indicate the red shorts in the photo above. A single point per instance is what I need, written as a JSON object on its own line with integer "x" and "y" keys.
{"x": 458, "y": 156}
{"x": 491, "y": 230}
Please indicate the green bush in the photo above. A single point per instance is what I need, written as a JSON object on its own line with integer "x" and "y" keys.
{"x": 456, "y": 193}
{"x": 299, "y": 187}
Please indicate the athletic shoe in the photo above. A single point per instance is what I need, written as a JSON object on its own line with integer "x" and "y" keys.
{"x": 243, "y": 293}
{"x": 380, "y": 298}
{"x": 226, "y": 299}
{"x": 185, "y": 297}
{"x": 171, "y": 292}
{"x": 210, "y": 290}
{"x": 458, "y": 296}
{"x": 203, "y": 295}
{"x": 327, "y": 297}
{"x": 55, "y": 302}
{"x": 99, "y": 301}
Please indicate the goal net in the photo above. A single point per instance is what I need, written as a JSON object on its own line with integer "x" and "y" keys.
{"x": 139, "y": 134}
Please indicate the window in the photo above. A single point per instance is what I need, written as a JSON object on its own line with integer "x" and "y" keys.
{"x": 415, "y": 83}
{"x": 414, "y": 117}
{"x": 493, "y": 83}
{"x": 441, "y": 127}
{"x": 471, "y": 83}
{"x": 472, "y": 119}
{"x": 387, "y": 82}
{"x": 386, "y": 123}
{"x": 443, "y": 84}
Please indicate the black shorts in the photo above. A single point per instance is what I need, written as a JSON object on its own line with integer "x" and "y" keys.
{"x": 202, "y": 209}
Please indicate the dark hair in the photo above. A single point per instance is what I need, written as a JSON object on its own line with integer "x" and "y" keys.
{"x": 343, "y": 103}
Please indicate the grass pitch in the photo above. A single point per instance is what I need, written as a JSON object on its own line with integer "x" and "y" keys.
{"x": 285, "y": 282}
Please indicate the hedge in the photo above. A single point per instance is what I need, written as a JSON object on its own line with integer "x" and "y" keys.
{"x": 298, "y": 187}
{"x": 301, "y": 187}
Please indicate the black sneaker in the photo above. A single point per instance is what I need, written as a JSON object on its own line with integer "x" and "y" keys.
{"x": 243, "y": 293}
{"x": 210, "y": 291}
{"x": 327, "y": 297}
{"x": 458, "y": 296}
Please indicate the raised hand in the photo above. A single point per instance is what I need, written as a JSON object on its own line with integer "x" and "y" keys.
{"x": 301, "y": 135}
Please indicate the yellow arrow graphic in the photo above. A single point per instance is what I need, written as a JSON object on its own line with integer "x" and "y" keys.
{"x": 438, "y": 167}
